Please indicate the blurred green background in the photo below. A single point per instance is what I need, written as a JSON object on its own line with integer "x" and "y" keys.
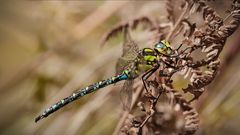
{"x": 50, "y": 48}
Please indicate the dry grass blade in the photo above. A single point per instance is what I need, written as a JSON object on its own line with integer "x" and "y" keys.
{"x": 24, "y": 72}
{"x": 79, "y": 32}
{"x": 102, "y": 13}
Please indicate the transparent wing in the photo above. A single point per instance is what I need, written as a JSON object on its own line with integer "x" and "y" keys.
{"x": 130, "y": 52}
{"x": 126, "y": 94}
{"x": 130, "y": 48}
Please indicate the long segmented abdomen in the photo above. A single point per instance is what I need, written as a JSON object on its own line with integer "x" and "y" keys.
{"x": 83, "y": 92}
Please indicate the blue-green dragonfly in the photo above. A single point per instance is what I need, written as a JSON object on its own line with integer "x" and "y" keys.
{"x": 133, "y": 63}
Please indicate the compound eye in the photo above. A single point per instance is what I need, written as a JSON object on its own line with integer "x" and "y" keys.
{"x": 159, "y": 45}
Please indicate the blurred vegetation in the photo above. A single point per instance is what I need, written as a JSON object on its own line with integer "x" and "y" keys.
{"x": 50, "y": 48}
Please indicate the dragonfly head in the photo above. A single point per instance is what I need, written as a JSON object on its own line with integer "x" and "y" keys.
{"x": 163, "y": 47}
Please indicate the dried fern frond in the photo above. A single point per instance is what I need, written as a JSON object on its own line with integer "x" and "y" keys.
{"x": 209, "y": 37}
{"x": 145, "y": 21}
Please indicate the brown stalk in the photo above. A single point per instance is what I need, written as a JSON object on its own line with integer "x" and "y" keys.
{"x": 181, "y": 17}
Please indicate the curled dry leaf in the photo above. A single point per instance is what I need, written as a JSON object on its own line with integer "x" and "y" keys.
{"x": 145, "y": 21}
{"x": 163, "y": 110}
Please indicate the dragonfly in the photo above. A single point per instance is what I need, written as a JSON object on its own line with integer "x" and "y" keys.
{"x": 133, "y": 63}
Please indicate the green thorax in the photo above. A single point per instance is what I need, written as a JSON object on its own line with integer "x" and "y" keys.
{"x": 146, "y": 60}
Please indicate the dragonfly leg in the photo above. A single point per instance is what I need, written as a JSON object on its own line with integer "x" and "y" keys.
{"x": 179, "y": 47}
{"x": 169, "y": 65}
{"x": 147, "y": 75}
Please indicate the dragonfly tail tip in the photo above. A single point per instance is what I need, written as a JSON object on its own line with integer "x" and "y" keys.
{"x": 38, "y": 118}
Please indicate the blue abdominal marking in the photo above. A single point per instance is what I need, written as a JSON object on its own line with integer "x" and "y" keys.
{"x": 123, "y": 77}
{"x": 81, "y": 93}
